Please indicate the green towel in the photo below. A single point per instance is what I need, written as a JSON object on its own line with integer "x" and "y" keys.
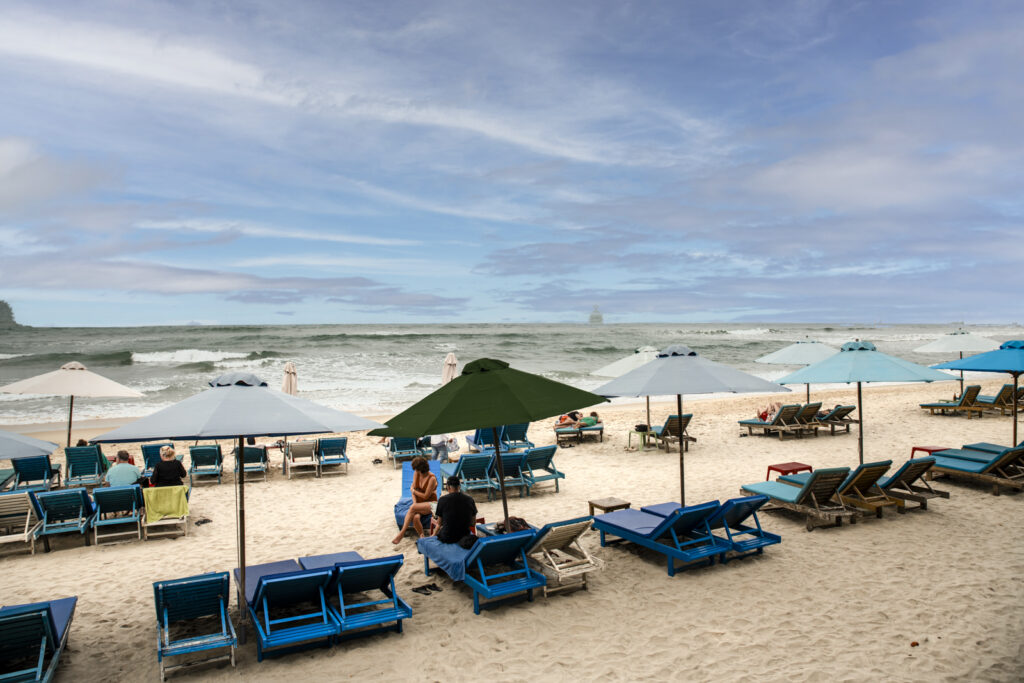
{"x": 165, "y": 501}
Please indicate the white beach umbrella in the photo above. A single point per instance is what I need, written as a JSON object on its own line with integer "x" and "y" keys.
{"x": 290, "y": 385}
{"x": 449, "y": 370}
{"x": 959, "y": 342}
{"x": 71, "y": 380}
{"x": 642, "y": 355}
{"x": 800, "y": 353}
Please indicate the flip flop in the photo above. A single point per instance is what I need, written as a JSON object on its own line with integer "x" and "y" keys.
{"x": 377, "y": 461}
{"x": 422, "y": 590}
{"x": 434, "y": 587}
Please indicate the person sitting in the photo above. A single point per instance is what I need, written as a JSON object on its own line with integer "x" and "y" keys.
{"x": 169, "y": 471}
{"x": 122, "y": 472}
{"x": 456, "y": 513}
{"x": 424, "y": 498}
{"x": 81, "y": 442}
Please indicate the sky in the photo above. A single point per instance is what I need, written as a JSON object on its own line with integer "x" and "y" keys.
{"x": 422, "y": 162}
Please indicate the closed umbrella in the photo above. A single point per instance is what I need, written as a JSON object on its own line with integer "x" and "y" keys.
{"x": 800, "y": 353}
{"x": 72, "y": 379}
{"x": 290, "y": 385}
{"x": 449, "y": 369}
{"x": 643, "y": 354}
{"x": 13, "y": 445}
{"x": 860, "y": 361}
{"x": 679, "y": 370}
{"x": 488, "y": 393}
{"x": 959, "y": 342}
{"x": 1008, "y": 358}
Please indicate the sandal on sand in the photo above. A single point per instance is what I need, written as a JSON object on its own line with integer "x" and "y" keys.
{"x": 422, "y": 590}
{"x": 434, "y": 587}
{"x": 377, "y": 461}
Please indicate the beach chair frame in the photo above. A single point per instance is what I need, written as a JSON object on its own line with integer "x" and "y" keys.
{"x": 539, "y": 466}
{"x": 359, "y": 577}
{"x": 839, "y": 417}
{"x": 782, "y": 424}
{"x": 967, "y": 403}
{"x": 167, "y": 526}
{"x": 207, "y": 461}
{"x": 32, "y": 469}
{"x": 401, "y": 448}
{"x": 508, "y": 550}
{"x": 807, "y": 418}
{"x": 19, "y": 518}
{"x": 332, "y": 452}
{"x": 254, "y": 460}
{"x": 909, "y": 484}
{"x": 85, "y": 466}
{"x": 188, "y": 599}
{"x": 64, "y": 512}
{"x": 513, "y": 437}
{"x": 474, "y": 471}
{"x": 32, "y": 628}
{"x": 123, "y": 505}
{"x": 151, "y": 456}
{"x": 862, "y": 491}
{"x": 745, "y": 540}
{"x": 282, "y": 635}
{"x": 301, "y": 454}
{"x": 674, "y": 428}
{"x": 512, "y": 467}
{"x": 1004, "y": 471}
{"x": 1002, "y": 401}
{"x": 817, "y": 501}
{"x": 557, "y": 554}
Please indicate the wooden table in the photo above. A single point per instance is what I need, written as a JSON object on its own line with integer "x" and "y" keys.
{"x": 607, "y": 504}
{"x": 787, "y": 468}
{"x": 927, "y": 449}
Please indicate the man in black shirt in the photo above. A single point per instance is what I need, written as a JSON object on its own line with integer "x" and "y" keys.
{"x": 456, "y": 513}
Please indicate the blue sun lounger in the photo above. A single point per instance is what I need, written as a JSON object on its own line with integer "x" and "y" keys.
{"x": 86, "y": 466}
{"x": 35, "y": 473}
{"x": 1000, "y": 470}
{"x": 682, "y": 534}
{"x": 357, "y": 617}
{"x": 332, "y": 452}
{"x": 64, "y": 512}
{"x": 512, "y": 468}
{"x": 481, "y": 566}
{"x": 402, "y": 448}
{"x": 784, "y": 422}
{"x": 513, "y": 437}
{"x": 116, "y": 507}
{"x": 151, "y": 456}
{"x": 538, "y": 466}
{"x": 838, "y": 417}
{"x": 814, "y": 498}
{"x": 967, "y": 403}
{"x": 859, "y": 488}
{"x": 255, "y": 460}
{"x": 992, "y": 448}
{"x": 482, "y": 440}
{"x": 908, "y": 483}
{"x": 32, "y": 638}
{"x": 207, "y": 461}
{"x": 405, "y": 502}
{"x": 203, "y": 598}
{"x": 473, "y": 469}
{"x": 731, "y": 517}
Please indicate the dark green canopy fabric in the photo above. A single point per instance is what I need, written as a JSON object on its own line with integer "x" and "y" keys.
{"x": 488, "y": 393}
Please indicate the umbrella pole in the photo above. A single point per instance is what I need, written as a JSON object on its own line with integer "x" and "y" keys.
{"x": 860, "y": 426}
{"x": 808, "y": 392}
{"x": 961, "y": 376}
{"x": 240, "y": 462}
{"x": 1016, "y": 378}
{"x": 648, "y": 413}
{"x": 501, "y": 475}
{"x": 71, "y": 412}
{"x": 682, "y": 477}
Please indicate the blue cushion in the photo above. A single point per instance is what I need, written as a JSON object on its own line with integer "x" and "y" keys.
{"x": 253, "y": 574}
{"x": 774, "y": 489}
{"x": 329, "y": 560}
{"x": 450, "y": 557}
{"x": 661, "y": 509}
{"x": 637, "y": 521}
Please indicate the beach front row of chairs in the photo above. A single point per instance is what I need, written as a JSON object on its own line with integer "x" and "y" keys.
{"x": 972, "y": 403}
{"x": 800, "y": 420}
{"x": 523, "y": 470}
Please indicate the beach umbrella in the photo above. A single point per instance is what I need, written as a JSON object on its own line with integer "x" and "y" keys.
{"x": 488, "y": 394}
{"x": 290, "y": 385}
{"x": 449, "y": 369}
{"x": 860, "y": 362}
{"x": 72, "y": 379}
{"x": 13, "y": 445}
{"x": 1008, "y": 358}
{"x": 800, "y": 353}
{"x": 679, "y": 370}
{"x": 238, "y": 405}
{"x": 959, "y": 342}
{"x": 643, "y": 354}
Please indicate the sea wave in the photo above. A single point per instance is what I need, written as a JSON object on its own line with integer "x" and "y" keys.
{"x": 7, "y": 356}
{"x": 108, "y": 358}
{"x": 752, "y": 332}
{"x": 186, "y": 356}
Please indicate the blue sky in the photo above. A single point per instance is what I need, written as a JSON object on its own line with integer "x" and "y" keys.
{"x": 367, "y": 162}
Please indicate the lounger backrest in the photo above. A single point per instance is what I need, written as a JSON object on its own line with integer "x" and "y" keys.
{"x": 865, "y": 476}
{"x": 511, "y": 464}
{"x": 365, "y": 575}
{"x": 402, "y": 444}
{"x": 540, "y": 458}
{"x": 474, "y": 466}
{"x": 254, "y": 454}
{"x": 485, "y": 437}
{"x": 292, "y": 587}
{"x": 67, "y": 504}
{"x": 192, "y": 597}
{"x": 787, "y": 414}
{"x": 1012, "y": 456}
{"x": 151, "y": 453}
{"x": 808, "y": 412}
{"x": 839, "y": 413}
{"x": 333, "y": 446}
{"x": 206, "y": 456}
{"x": 970, "y": 395}
{"x": 32, "y": 468}
{"x": 23, "y": 628}
{"x": 910, "y": 471}
{"x": 515, "y": 432}
{"x": 15, "y": 506}
{"x": 685, "y": 520}
{"x": 734, "y": 512}
{"x": 676, "y": 424}
{"x": 84, "y": 460}
{"x": 1005, "y": 395}
{"x": 560, "y": 535}
{"x": 822, "y": 484}
{"x": 302, "y": 449}
{"x": 500, "y": 549}
{"x": 118, "y": 498}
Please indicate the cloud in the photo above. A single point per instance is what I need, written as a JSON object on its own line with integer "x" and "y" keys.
{"x": 236, "y": 227}
{"x": 29, "y": 178}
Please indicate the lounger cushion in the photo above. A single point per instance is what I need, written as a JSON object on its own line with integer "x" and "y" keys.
{"x": 450, "y": 557}
{"x": 968, "y": 454}
{"x": 61, "y": 611}
{"x": 661, "y": 509}
{"x": 960, "y": 464}
{"x": 637, "y": 521}
{"x": 774, "y": 489}
{"x": 990, "y": 447}
{"x": 329, "y": 560}
{"x": 254, "y": 573}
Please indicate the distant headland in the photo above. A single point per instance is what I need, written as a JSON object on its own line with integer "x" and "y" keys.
{"x": 7, "y": 317}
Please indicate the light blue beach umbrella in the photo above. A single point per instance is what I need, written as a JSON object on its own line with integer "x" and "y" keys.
{"x": 679, "y": 370}
{"x": 1008, "y": 358}
{"x": 959, "y": 342}
{"x": 14, "y": 445}
{"x": 860, "y": 361}
{"x": 800, "y": 353}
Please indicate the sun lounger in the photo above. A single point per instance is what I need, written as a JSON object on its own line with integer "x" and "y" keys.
{"x": 274, "y": 594}
{"x": 6, "y": 477}
{"x": 859, "y": 487}
{"x": 151, "y": 456}
{"x": 85, "y": 466}
{"x": 196, "y": 602}
{"x": 255, "y": 460}
{"x": 813, "y": 499}
{"x": 35, "y": 473}
{"x": 669, "y": 432}
{"x": 401, "y": 448}
{"x": 495, "y": 567}
{"x": 682, "y": 534}
{"x": 1002, "y": 401}
{"x": 992, "y": 448}
{"x": 482, "y": 440}
{"x": 1000, "y": 470}
{"x": 117, "y": 507}
{"x": 782, "y": 424}
{"x": 807, "y": 418}
{"x": 908, "y": 483}
{"x": 967, "y": 403}
{"x": 564, "y": 435}
{"x": 64, "y": 512}
{"x": 513, "y": 437}
{"x": 301, "y": 454}
{"x": 538, "y": 466}
{"x": 20, "y": 518}
{"x": 33, "y": 637}
{"x": 332, "y": 453}
{"x": 352, "y": 581}
{"x": 557, "y": 554}
{"x": 838, "y": 417}
{"x": 474, "y": 471}
{"x": 405, "y": 501}
{"x": 207, "y": 461}
{"x": 512, "y": 468}
{"x": 166, "y": 511}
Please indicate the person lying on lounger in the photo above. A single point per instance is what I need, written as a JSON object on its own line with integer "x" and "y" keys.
{"x": 424, "y": 498}
{"x": 570, "y": 419}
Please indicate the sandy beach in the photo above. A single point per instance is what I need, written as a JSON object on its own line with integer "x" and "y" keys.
{"x": 836, "y": 604}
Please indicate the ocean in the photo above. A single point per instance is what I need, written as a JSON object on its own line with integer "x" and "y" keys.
{"x": 382, "y": 369}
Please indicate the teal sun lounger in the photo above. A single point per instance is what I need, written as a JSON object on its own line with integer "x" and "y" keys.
{"x": 33, "y": 637}
{"x": 814, "y": 499}
{"x": 202, "y": 603}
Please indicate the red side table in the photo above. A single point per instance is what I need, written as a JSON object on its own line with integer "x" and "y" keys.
{"x": 787, "y": 468}
{"x": 927, "y": 449}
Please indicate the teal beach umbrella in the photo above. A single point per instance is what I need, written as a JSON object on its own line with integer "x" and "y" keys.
{"x": 1008, "y": 358}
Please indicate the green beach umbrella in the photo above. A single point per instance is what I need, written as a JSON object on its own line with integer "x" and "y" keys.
{"x": 488, "y": 394}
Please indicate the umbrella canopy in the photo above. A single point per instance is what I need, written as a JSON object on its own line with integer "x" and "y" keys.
{"x": 643, "y": 354}
{"x": 290, "y": 385}
{"x": 1008, "y": 358}
{"x": 13, "y": 445}
{"x": 449, "y": 369}
{"x": 959, "y": 342}
{"x": 72, "y": 379}
{"x": 488, "y": 393}
{"x": 800, "y": 353}
{"x": 238, "y": 405}
{"x": 679, "y": 370}
{"x": 860, "y": 361}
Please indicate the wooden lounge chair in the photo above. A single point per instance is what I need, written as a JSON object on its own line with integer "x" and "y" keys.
{"x": 988, "y": 447}
{"x": 675, "y": 427}
{"x": 539, "y": 466}
{"x": 967, "y": 403}
{"x": 33, "y": 637}
{"x": 1002, "y": 401}
{"x": 207, "y": 461}
{"x": 64, "y": 512}
{"x": 814, "y": 499}
{"x": 908, "y": 483}
{"x": 332, "y": 453}
{"x": 85, "y": 466}
{"x": 513, "y": 437}
{"x": 557, "y": 554}
{"x": 782, "y": 424}
{"x": 200, "y": 602}
{"x": 838, "y": 417}
{"x": 301, "y": 454}
{"x": 807, "y": 418}
{"x": 859, "y": 488}
{"x": 20, "y": 518}
{"x": 118, "y": 507}
{"x": 35, "y": 473}
{"x": 1000, "y": 470}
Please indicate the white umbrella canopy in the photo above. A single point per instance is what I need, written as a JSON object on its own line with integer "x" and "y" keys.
{"x": 450, "y": 369}
{"x": 290, "y": 385}
{"x": 800, "y": 353}
{"x": 72, "y": 379}
{"x": 959, "y": 342}
{"x": 14, "y": 445}
{"x": 642, "y": 355}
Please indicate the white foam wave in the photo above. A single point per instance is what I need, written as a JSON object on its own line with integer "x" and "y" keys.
{"x": 7, "y": 356}
{"x": 752, "y": 332}
{"x": 185, "y": 356}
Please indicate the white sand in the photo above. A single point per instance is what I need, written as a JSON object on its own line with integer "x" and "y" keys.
{"x": 836, "y": 604}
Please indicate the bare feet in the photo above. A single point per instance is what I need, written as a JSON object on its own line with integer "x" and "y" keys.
{"x": 398, "y": 539}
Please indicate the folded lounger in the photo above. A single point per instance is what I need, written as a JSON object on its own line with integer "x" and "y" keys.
{"x": 181, "y": 603}
{"x": 473, "y": 469}
{"x": 838, "y": 417}
{"x": 401, "y": 448}
{"x": 86, "y": 466}
{"x": 495, "y": 567}
{"x": 669, "y": 432}
{"x": 908, "y": 483}
{"x": 151, "y": 456}
{"x": 405, "y": 502}
{"x": 20, "y": 518}
{"x": 813, "y": 499}
{"x": 682, "y": 534}
{"x": 333, "y": 453}
{"x": 207, "y": 461}
{"x": 64, "y": 512}
{"x": 1000, "y": 470}
{"x": 513, "y": 437}
{"x": 255, "y": 460}
{"x": 1002, "y": 401}
{"x": 538, "y": 466}
{"x": 859, "y": 488}
{"x": 32, "y": 638}
{"x": 512, "y": 468}
{"x": 783, "y": 423}
{"x": 355, "y": 614}
{"x": 731, "y": 518}
{"x": 273, "y": 594}
{"x": 967, "y": 403}
{"x": 166, "y": 511}
{"x": 35, "y": 473}
{"x": 301, "y": 454}
{"x": 557, "y": 554}
{"x": 118, "y": 507}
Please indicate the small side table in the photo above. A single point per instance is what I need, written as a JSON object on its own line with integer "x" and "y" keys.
{"x": 607, "y": 504}
{"x": 787, "y": 468}
{"x": 929, "y": 450}
{"x": 643, "y": 436}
